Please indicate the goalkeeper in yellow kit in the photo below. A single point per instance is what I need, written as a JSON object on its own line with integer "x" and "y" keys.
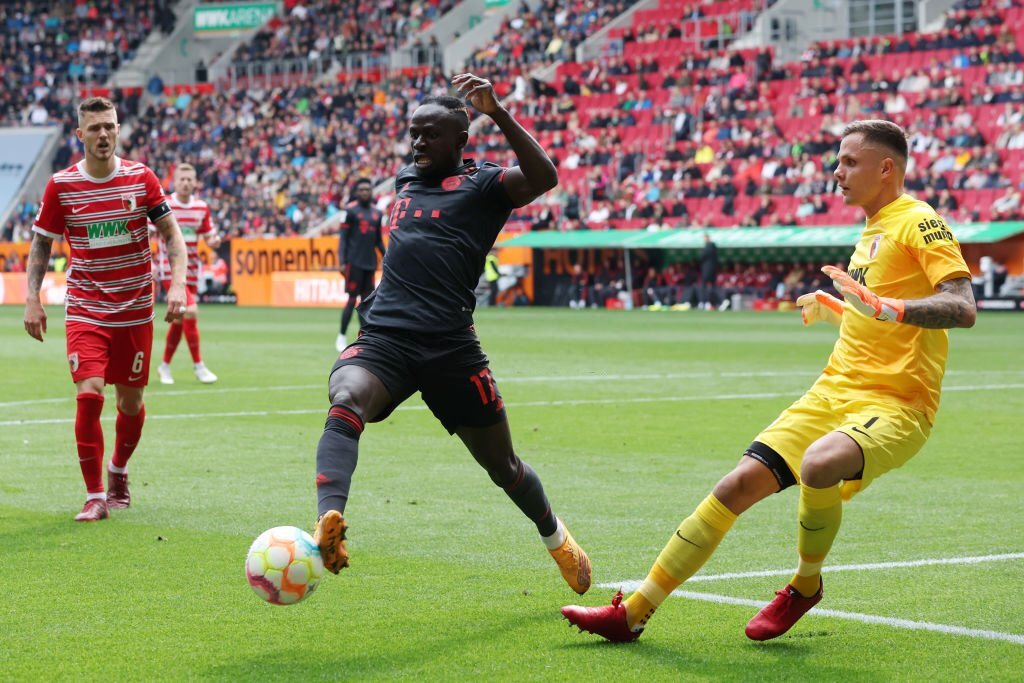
{"x": 870, "y": 410}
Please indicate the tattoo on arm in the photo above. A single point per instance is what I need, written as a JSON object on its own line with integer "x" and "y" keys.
{"x": 175, "y": 243}
{"x": 951, "y": 306}
{"x": 172, "y": 251}
{"x": 38, "y": 261}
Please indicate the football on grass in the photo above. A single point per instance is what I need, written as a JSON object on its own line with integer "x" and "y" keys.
{"x": 284, "y": 565}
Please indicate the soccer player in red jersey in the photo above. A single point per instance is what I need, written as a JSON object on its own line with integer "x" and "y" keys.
{"x": 101, "y": 206}
{"x": 194, "y": 218}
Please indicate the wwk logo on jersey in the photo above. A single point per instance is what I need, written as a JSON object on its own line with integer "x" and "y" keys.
{"x": 108, "y": 233}
{"x": 130, "y": 202}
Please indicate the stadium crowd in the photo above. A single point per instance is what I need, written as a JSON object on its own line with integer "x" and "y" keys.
{"x": 327, "y": 31}
{"x": 52, "y": 49}
{"x": 680, "y": 136}
{"x": 280, "y": 161}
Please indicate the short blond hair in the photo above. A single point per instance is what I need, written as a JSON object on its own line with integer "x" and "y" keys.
{"x": 185, "y": 167}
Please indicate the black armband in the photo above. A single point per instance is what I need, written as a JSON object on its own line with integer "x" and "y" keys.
{"x": 158, "y": 212}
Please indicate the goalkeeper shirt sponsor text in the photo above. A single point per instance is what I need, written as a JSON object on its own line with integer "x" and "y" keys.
{"x": 905, "y": 251}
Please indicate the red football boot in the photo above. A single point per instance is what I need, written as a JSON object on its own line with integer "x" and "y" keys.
{"x": 609, "y": 621}
{"x": 779, "y": 615}
{"x": 94, "y": 510}
{"x": 118, "y": 495}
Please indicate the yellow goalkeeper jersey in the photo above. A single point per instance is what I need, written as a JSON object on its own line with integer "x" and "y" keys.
{"x": 905, "y": 251}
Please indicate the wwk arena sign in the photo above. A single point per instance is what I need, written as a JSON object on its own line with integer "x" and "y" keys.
{"x": 231, "y": 17}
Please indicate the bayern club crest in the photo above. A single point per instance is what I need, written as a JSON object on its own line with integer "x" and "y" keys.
{"x": 451, "y": 183}
{"x": 129, "y": 201}
{"x": 875, "y": 243}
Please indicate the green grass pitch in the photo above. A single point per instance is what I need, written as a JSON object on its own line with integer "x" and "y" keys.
{"x": 629, "y": 418}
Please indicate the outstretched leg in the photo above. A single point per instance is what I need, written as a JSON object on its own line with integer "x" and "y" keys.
{"x": 355, "y": 394}
{"x": 698, "y": 536}
{"x": 492, "y": 448}
{"x": 686, "y": 551}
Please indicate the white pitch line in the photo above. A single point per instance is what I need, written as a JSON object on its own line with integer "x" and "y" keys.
{"x": 975, "y": 559}
{"x": 630, "y": 586}
{"x": 864, "y": 567}
{"x": 866, "y": 618}
{"x": 308, "y": 411}
{"x": 524, "y": 404}
{"x": 156, "y": 392}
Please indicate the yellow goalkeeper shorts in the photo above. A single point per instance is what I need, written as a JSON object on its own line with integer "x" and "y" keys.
{"x": 888, "y": 435}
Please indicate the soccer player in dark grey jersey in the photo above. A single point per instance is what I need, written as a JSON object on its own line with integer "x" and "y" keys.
{"x": 358, "y": 244}
{"x": 418, "y": 332}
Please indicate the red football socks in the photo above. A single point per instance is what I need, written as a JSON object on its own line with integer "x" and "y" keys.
{"x": 128, "y": 431}
{"x": 192, "y": 337}
{"x": 173, "y": 337}
{"x": 89, "y": 438}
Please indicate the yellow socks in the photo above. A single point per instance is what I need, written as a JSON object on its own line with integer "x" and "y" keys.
{"x": 820, "y": 514}
{"x": 688, "y": 549}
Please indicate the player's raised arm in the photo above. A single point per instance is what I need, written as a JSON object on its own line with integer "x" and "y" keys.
{"x": 536, "y": 174}
{"x": 38, "y": 259}
{"x": 167, "y": 225}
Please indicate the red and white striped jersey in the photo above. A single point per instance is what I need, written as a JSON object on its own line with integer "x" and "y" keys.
{"x": 194, "y": 220}
{"x": 105, "y": 223}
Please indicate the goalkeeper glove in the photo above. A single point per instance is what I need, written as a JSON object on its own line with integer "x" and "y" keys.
{"x": 863, "y": 299}
{"x": 820, "y": 307}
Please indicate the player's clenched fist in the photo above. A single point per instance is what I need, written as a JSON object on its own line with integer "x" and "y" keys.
{"x": 478, "y": 91}
{"x": 862, "y": 298}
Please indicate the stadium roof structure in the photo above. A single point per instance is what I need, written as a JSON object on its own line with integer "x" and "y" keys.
{"x": 737, "y": 238}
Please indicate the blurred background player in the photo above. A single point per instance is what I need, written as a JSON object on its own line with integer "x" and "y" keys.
{"x": 193, "y": 216}
{"x": 869, "y": 412}
{"x": 101, "y": 206}
{"x": 418, "y": 331}
{"x": 708, "y": 274}
{"x": 360, "y": 239}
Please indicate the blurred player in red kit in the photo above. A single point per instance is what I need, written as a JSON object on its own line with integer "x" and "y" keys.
{"x": 194, "y": 218}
